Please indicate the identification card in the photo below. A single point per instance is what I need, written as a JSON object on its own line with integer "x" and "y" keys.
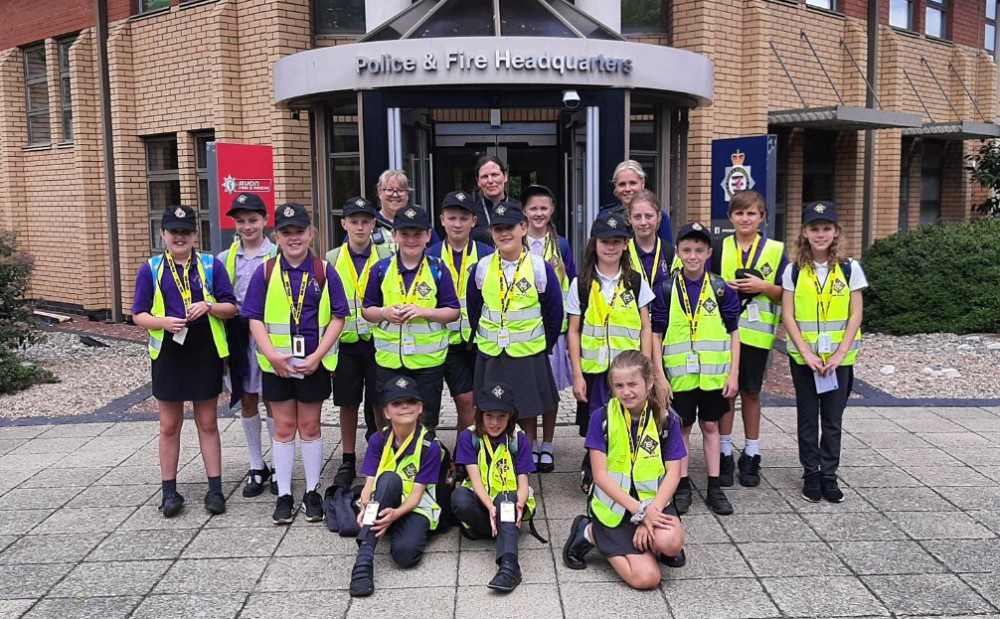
{"x": 409, "y": 345}
{"x": 181, "y": 335}
{"x": 371, "y": 514}
{"x": 503, "y": 337}
{"x": 693, "y": 367}
{"x": 602, "y": 356}
{"x": 826, "y": 383}
{"x": 298, "y": 346}
{"x": 362, "y": 327}
{"x": 753, "y": 312}
{"x": 507, "y": 512}
{"x": 824, "y": 344}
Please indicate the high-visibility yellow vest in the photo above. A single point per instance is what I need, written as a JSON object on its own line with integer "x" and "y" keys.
{"x": 758, "y": 333}
{"x": 277, "y": 318}
{"x": 206, "y": 266}
{"x": 710, "y": 341}
{"x": 407, "y": 468}
{"x": 430, "y": 338}
{"x": 645, "y": 474}
{"x": 604, "y": 337}
{"x": 633, "y": 256}
{"x": 355, "y": 326}
{"x": 499, "y": 475}
{"x": 553, "y": 255}
{"x": 228, "y": 258}
{"x": 812, "y": 321}
{"x": 523, "y": 319}
{"x": 460, "y": 330}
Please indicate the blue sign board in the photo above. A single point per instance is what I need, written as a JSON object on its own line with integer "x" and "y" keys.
{"x": 749, "y": 162}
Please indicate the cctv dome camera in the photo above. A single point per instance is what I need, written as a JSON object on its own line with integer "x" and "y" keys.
{"x": 571, "y": 99}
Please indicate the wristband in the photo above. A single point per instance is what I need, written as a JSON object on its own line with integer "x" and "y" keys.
{"x": 641, "y": 512}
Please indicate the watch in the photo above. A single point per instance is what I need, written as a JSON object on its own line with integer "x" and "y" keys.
{"x": 641, "y": 512}
{"x": 208, "y": 304}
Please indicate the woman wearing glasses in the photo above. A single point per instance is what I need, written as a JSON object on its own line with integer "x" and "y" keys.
{"x": 393, "y": 194}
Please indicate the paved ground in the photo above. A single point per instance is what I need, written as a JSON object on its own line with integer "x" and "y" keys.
{"x": 917, "y": 535}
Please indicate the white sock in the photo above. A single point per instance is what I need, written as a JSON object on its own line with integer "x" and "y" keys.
{"x": 586, "y": 534}
{"x": 726, "y": 444}
{"x": 270, "y": 428}
{"x": 284, "y": 459}
{"x": 251, "y": 429}
{"x": 535, "y": 448}
{"x": 752, "y": 447}
{"x": 547, "y": 447}
{"x": 312, "y": 461}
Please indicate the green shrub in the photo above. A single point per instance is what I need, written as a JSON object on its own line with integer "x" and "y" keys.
{"x": 16, "y": 376}
{"x": 935, "y": 279}
{"x": 15, "y": 319}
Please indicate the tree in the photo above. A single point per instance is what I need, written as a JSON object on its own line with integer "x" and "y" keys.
{"x": 984, "y": 168}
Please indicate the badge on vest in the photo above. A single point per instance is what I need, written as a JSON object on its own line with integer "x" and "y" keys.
{"x": 507, "y": 512}
{"x": 709, "y": 305}
{"x": 766, "y": 270}
{"x": 693, "y": 367}
{"x": 423, "y": 289}
{"x": 648, "y": 444}
{"x": 523, "y": 285}
{"x": 753, "y": 312}
{"x": 362, "y": 327}
{"x": 410, "y": 471}
{"x": 409, "y": 344}
{"x": 825, "y": 345}
{"x": 626, "y": 297}
{"x": 299, "y": 347}
{"x": 838, "y": 285}
{"x": 503, "y": 337}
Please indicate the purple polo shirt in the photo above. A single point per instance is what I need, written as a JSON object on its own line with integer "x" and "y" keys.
{"x": 662, "y": 269}
{"x": 430, "y": 458}
{"x": 671, "y": 442}
{"x": 465, "y": 452}
{"x": 362, "y": 347}
{"x": 659, "y": 311}
{"x": 446, "y": 296}
{"x": 253, "y": 304}
{"x": 173, "y": 303}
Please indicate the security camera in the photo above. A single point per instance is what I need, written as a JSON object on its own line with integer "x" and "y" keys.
{"x": 571, "y": 99}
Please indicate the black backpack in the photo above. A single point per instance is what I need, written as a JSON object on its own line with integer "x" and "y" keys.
{"x": 846, "y": 267}
{"x": 717, "y": 284}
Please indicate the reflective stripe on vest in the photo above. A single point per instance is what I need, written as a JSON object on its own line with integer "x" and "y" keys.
{"x": 408, "y": 467}
{"x": 811, "y": 324}
{"x": 430, "y": 338}
{"x": 524, "y": 315}
{"x": 711, "y": 343}
{"x": 206, "y": 266}
{"x": 761, "y": 333}
{"x": 600, "y": 346}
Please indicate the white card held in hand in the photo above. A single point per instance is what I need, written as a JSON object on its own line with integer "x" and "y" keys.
{"x": 371, "y": 514}
{"x": 507, "y": 512}
{"x": 826, "y": 383}
{"x": 181, "y": 335}
{"x": 753, "y": 312}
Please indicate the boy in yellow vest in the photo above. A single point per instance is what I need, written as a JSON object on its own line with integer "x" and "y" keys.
{"x": 696, "y": 340}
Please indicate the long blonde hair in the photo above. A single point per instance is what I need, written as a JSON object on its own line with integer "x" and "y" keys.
{"x": 802, "y": 252}
{"x": 635, "y": 360}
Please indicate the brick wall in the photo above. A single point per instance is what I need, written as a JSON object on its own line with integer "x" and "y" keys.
{"x": 43, "y": 19}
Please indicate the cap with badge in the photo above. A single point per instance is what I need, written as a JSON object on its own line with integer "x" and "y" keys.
{"x": 357, "y": 204}
{"x": 291, "y": 214}
{"x": 411, "y": 217}
{"x": 247, "y": 202}
{"x": 496, "y": 397}
{"x": 179, "y": 217}
{"x": 609, "y": 225}
{"x": 507, "y": 213}
{"x": 536, "y": 190}
{"x": 819, "y": 211}
{"x": 458, "y": 199}
{"x": 695, "y": 230}
{"x": 400, "y": 388}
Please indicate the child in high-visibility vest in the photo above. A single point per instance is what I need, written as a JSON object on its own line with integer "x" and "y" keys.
{"x": 651, "y": 255}
{"x": 539, "y": 207}
{"x": 181, "y": 298}
{"x": 296, "y": 306}
{"x": 822, "y": 309}
{"x": 243, "y": 257}
{"x": 636, "y": 448}
{"x": 402, "y": 467}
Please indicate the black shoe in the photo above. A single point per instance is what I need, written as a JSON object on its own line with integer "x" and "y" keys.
{"x": 682, "y": 499}
{"x": 362, "y": 578}
{"x": 749, "y": 470}
{"x": 171, "y": 505}
{"x": 215, "y": 503}
{"x": 312, "y": 505}
{"x": 726, "y": 467}
{"x": 716, "y": 500}
{"x": 576, "y": 548}
{"x": 811, "y": 488}
{"x": 678, "y": 560}
{"x": 508, "y": 575}
{"x": 285, "y": 510}
{"x": 345, "y": 475}
{"x": 831, "y": 491}
{"x": 256, "y": 478}
{"x": 546, "y": 467}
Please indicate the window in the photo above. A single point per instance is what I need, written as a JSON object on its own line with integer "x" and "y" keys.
{"x": 345, "y": 162}
{"x": 990, "y": 40}
{"x": 645, "y": 16}
{"x": 830, "y": 5}
{"x": 819, "y": 165}
{"x": 931, "y": 172}
{"x": 901, "y": 14}
{"x": 339, "y": 16}
{"x": 201, "y": 140}
{"x": 163, "y": 181}
{"x": 148, "y": 6}
{"x": 65, "y": 87}
{"x": 935, "y": 19}
{"x": 36, "y": 86}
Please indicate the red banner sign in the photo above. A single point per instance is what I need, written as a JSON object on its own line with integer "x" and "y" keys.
{"x": 244, "y": 168}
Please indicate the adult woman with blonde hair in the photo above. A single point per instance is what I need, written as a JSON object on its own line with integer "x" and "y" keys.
{"x": 629, "y": 181}
{"x": 393, "y": 191}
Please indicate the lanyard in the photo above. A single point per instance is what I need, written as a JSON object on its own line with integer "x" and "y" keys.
{"x": 751, "y": 256}
{"x": 295, "y": 304}
{"x": 633, "y": 444}
{"x": 550, "y": 251}
{"x": 649, "y": 277}
{"x": 507, "y": 289}
{"x": 360, "y": 283}
{"x": 823, "y": 299}
{"x": 183, "y": 285}
{"x": 692, "y": 316}
{"x": 408, "y": 296}
{"x": 390, "y": 456}
{"x": 493, "y": 462}
{"x": 456, "y": 270}
{"x": 601, "y": 306}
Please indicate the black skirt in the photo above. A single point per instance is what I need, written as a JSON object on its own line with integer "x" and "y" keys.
{"x": 617, "y": 541}
{"x": 191, "y": 372}
{"x": 530, "y": 377}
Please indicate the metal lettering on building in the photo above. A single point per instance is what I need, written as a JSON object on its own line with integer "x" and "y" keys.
{"x": 502, "y": 60}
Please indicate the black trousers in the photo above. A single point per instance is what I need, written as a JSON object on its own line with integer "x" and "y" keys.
{"x": 473, "y": 514}
{"x": 408, "y": 534}
{"x": 820, "y": 419}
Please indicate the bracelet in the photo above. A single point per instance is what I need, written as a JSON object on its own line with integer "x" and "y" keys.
{"x": 641, "y": 512}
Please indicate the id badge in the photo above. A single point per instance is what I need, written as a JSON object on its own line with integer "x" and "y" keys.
{"x": 180, "y": 336}
{"x": 507, "y": 512}
{"x": 409, "y": 345}
{"x": 825, "y": 345}
{"x": 753, "y": 312}
{"x": 298, "y": 346}
{"x": 693, "y": 367}
{"x": 362, "y": 327}
{"x": 503, "y": 337}
{"x": 371, "y": 514}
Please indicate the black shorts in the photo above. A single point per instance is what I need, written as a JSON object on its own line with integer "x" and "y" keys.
{"x": 430, "y": 382}
{"x": 459, "y": 367}
{"x": 699, "y": 404}
{"x": 354, "y": 380}
{"x": 311, "y": 389}
{"x": 753, "y": 368}
{"x": 617, "y": 541}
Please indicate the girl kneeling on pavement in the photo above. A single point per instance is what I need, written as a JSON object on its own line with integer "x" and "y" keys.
{"x": 296, "y": 306}
{"x": 182, "y": 297}
{"x": 635, "y": 450}
{"x": 402, "y": 467}
{"x": 495, "y": 497}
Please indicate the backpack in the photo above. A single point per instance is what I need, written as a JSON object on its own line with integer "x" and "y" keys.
{"x": 633, "y": 285}
{"x": 716, "y": 283}
{"x": 846, "y": 267}
{"x": 207, "y": 264}
{"x": 318, "y": 271}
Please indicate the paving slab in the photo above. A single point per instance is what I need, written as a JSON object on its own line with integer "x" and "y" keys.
{"x": 31, "y": 581}
{"x": 893, "y": 557}
{"x": 213, "y": 576}
{"x": 793, "y": 559}
{"x": 282, "y": 605}
{"x": 123, "y": 544}
{"x": 538, "y": 601}
{"x": 824, "y": 596}
{"x": 111, "y": 578}
{"x": 927, "y": 594}
{"x": 60, "y": 548}
{"x": 741, "y": 598}
{"x": 399, "y": 603}
{"x": 183, "y": 606}
{"x": 84, "y": 608}
{"x": 610, "y": 600}
{"x": 948, "y": 525}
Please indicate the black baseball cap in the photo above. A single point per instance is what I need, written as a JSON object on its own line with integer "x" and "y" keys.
{"x": 247, "y": 202}
{"x": 357, "y": 204}
{"x": 609, "y": 225}
{"x": 495, "y": 397}
{"x": 695, "y": 230}
{"x": 536, "y": 190}
{"x": 411, "y": 217}
{"x": 399, "y": 388}
{"x": 291, "y": 214}
{"x": 507, "y": 213}
{"x": 819, "y": 211}
{"x": 459, "y": 199}
{"x": 179, "y": 217}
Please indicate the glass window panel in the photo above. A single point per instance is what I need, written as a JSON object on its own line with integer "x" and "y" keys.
{"x": 930, "y": 213}
{"x": 643, "y": 15}
{"x": 991, "y": 9}
{"x": 339, "y": 16}
{"x": 823, "y": 4}
{"x": 991, "y": 37}
{"x": 402, "y": 23}
{"x": 161, "y": 155}
{"x": 39, "y": 131}
{"x": 206, "y": 234}
{"x": 642, "y": 136}
{"x": 587, "y": 26}
{"x": 345, "y": 178}
{"x": 459, "y": 19}
{"x": 934, "y": 22}
{"x": 528, "y": 18}
{"x": 67, "y": 124}
{"x": 345, "y": 138}
{"x": 930, "y": 187}
{"x": 146, "y": 6}
{"x": 163, "y": 194}
{"x": 155, "y": 238}
{"x": 203, "y": 194}
{"x": 34, "y": 62}
{"x": 201, "y": 141}
{"x": 38, "y": 97}
{"x": 900, "y": 13}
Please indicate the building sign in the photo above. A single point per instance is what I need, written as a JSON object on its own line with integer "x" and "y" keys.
{"x": 234, "y": 169}
{"x": 742, "y": 163}
{"x": 502, "y": 60}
